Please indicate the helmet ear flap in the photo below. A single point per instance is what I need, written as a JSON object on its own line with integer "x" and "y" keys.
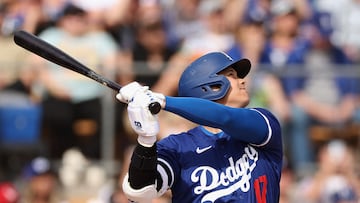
{"x": 220, "y": 84}
{"x": 213, "y": 88}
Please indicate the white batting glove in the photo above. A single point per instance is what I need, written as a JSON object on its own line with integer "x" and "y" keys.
{"x": 127, "y": 92}
{"x": 145, "y": 124}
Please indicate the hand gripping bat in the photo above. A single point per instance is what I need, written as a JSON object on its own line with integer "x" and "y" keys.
{"x": 49, "y": 52}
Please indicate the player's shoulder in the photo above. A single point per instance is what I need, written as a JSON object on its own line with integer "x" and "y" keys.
{"x": 268, "y": 115}
{"x": 264, "y": 111}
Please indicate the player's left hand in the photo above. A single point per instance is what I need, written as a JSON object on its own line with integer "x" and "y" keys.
{"x": 145, "y": 124}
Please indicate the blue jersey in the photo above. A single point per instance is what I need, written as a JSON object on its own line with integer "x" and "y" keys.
{"x": 223, "y": 167}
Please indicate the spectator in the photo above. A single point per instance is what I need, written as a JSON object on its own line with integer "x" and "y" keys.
{"x": 41, "y": 184}
{"x": 25, "y": 82}
{"x": 215, "y": 35}
{"x": 247, "y": 33}
{"x": 150, "y": 58}
{"x": 209, "y": 16}
{"x": 121, "y": 26}
{"x": 343, "y": 17}
{"x": 82, "y": 179}
{"x": 288, "y": 183}
{"x": 241, "y": 12}
{"x": 151, "y": 52}
{"x": 11, "y": 57}
{"x": 329, "y": 99}
{"x": 265, "y": 89}
{"x": 72, "y": 102}
{"x": 22, "y": 15}
{"x": 284, "y": 52}
{"x": 51, "y": 11}
{"x": 182, "y": 20}
{"x": 335, "y": 180}
{"x": 103, "y": 13}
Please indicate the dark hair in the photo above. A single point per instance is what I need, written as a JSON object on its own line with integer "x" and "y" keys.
{"x": 73, "y": 10}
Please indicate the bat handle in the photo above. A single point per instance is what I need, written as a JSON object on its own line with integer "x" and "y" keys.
{"x": 154, "y": 108}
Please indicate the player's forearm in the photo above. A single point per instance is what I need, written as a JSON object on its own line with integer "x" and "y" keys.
{"x": 142, "y": 169}
{"x": 144, "y": 181}
{"x": 233, "y": 121}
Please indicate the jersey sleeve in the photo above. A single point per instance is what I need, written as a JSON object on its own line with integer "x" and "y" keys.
{"x": 230, "y": 120}
{"x": 273, "y": 141}
{"x": 167, "y": 163}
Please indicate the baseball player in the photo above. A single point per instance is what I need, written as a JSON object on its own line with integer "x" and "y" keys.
{"x": 233, "y": 155}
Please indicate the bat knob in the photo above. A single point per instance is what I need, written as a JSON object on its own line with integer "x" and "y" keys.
{"x": 155, "y": 107}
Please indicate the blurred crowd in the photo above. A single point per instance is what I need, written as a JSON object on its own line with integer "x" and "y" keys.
{"x": 305, "y": 58}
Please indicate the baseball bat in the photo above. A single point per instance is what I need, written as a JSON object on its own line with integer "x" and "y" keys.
{"x": 51, "y": 53}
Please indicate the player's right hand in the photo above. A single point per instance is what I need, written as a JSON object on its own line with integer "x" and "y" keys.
{"x": 127, "y": 93}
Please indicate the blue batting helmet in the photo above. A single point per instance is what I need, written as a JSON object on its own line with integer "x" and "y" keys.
{"x": 201, "y": 77}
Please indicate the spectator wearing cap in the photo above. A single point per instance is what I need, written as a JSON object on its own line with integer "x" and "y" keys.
{"x": 335, "y": 180}
{"x": 41, "y": 182}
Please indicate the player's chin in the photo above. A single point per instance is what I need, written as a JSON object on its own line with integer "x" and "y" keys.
{"x": 244, "y": 100}
{"x": 244, "y": 103}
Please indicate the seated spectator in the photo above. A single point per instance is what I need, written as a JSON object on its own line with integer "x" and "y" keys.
{"x": 40, "y": 182}
{"x": 25, "y": 81}
{"x": 214, "y": 37}
{"x": 182, "y": 20}
{"x": 326, "y": 96}
{"x": 72, "y": 102}
{"x": 284, "y": 53}
{"x": 343, "y": 17}
{"x": 147, "y": 61}
{"x": 11, "y": 56}
{"x": 151, "y": 53}
{"x": 335, "y": 180}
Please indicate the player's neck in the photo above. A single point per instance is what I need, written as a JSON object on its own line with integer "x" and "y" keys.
{"x": 212, "y": 130}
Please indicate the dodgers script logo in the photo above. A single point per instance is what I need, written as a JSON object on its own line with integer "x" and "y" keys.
{"x": 236, "y": 176}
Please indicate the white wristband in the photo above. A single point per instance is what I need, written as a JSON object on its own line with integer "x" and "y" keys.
{"x": 146, "y": 141}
